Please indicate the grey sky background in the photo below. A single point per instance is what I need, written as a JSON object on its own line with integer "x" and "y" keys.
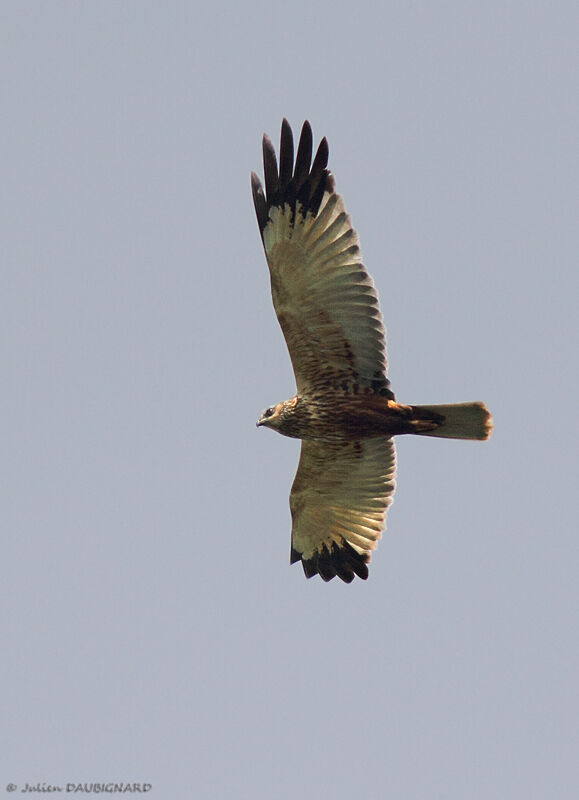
{"x": 152, "y": 628}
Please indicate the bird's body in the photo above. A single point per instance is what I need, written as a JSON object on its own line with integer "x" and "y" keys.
{"x": 340, "y": 416}
{"x": 344, "y": 411}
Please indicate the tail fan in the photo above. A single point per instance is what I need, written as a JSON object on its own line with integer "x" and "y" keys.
{"x": 459, "y": 420}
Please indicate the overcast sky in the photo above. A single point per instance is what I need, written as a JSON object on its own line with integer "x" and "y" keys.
{"x": 152, "y": 628}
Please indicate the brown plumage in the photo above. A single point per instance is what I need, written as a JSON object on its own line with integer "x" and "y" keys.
{"x": 344, "y": 411}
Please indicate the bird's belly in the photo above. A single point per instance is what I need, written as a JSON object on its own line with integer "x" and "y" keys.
{"x": 385, "y": 418}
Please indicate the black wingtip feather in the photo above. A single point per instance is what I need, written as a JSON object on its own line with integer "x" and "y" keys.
{"x": 342, "y": 560}
{"x": 304, "y": 156}
{"x": 269, "y": 167}
{"x": 259, "y": 201}
{"x": 293, "y": 183}
{"x": 321, "y": 159}
{"x": 286, "y": 155}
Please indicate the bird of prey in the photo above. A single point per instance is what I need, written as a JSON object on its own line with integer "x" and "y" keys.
{"x": 344, "y": 410}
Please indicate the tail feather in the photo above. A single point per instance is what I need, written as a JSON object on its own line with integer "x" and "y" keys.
{"x": 460, "y": 420}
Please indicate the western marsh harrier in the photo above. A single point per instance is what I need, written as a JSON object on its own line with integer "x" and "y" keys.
{"x": 344, "y": 411}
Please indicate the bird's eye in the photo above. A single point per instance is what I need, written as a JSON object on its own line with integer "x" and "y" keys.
{"x": 268, "y": 411}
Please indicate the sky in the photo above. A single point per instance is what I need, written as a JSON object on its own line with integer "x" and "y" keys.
{"x": 152, "y": 628}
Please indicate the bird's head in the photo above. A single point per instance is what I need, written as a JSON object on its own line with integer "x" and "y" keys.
{"x": 272, "y": 417}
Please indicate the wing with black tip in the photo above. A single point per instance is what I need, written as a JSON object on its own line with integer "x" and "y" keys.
{"x": 324, "y": 298}
{"x": 338, "y": 503}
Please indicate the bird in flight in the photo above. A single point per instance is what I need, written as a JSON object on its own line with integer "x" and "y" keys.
{"x": 344, "y": 410}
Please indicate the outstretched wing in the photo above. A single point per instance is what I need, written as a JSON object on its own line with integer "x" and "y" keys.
{"x": 325, "y": 300}
{"x": 338, "y": 503}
